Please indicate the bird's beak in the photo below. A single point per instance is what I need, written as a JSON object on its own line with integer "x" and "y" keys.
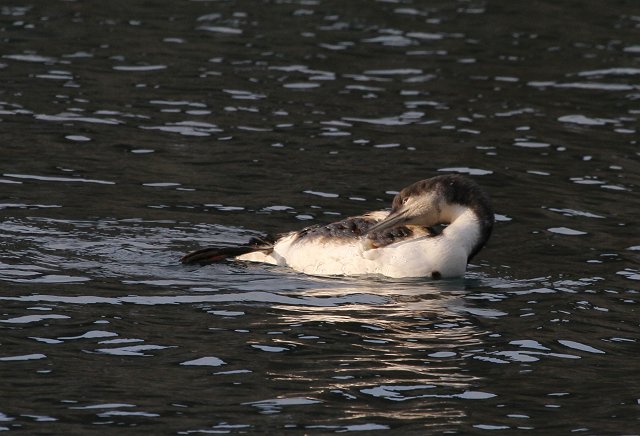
{"x": 397, "y": 218}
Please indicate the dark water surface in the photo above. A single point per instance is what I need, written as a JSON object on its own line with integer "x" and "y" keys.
{"x": 132, "y": 132}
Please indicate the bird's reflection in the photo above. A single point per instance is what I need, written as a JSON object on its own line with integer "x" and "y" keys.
{"x": 407, "y": 344}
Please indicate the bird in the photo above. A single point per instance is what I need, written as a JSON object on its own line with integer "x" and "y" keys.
{"x": 434, "y": 228}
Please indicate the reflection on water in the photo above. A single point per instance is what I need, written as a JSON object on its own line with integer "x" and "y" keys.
{"x": 132, "y": 134}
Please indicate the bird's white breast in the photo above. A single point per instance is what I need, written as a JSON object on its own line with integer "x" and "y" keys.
{"x": 418, "y": 257}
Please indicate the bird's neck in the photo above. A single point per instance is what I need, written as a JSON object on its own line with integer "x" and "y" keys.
{"x": 466, "y": 227}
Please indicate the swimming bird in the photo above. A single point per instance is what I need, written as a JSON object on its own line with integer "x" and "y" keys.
{"x": 402, "y": 242}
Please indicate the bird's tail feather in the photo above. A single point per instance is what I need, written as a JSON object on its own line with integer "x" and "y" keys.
{"x": 206, "y": 256}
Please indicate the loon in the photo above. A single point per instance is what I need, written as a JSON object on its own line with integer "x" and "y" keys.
{"x": 402, "y": 242}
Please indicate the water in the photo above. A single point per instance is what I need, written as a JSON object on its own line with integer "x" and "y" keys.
{"x": 134, "y": 132}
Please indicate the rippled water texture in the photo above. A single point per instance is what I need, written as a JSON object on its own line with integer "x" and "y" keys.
{"x": 133, "y": 132}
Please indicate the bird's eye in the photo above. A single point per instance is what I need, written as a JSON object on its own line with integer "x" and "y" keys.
{"x": 404, "y": 200}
